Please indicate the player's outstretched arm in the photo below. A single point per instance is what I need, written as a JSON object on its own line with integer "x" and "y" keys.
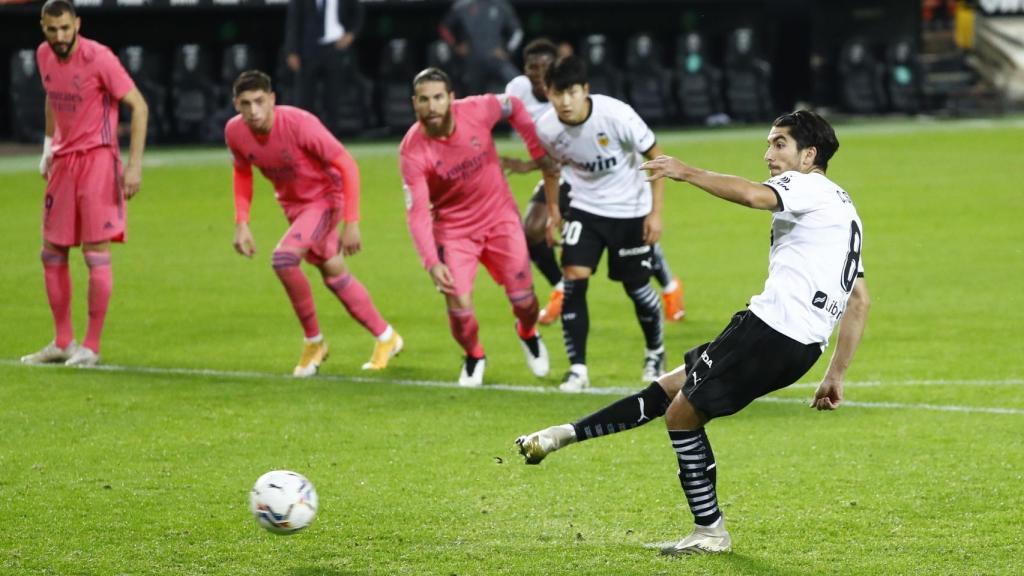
{"x": 727, "y": 187}
{"x": 830, "y": 392}
{"x": 140, "y": 121}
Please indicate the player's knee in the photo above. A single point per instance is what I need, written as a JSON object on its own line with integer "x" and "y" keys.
{"x": 333, "y": 267}
{"x": 635, "y": 286}
{"x": 523, "y": 302}
{"x": 682, "y": 415}
{"x": 577, "y": 273}
{"x": 285, "y": 259}
{"x": 535, "y": 225}
{"x": 672, "y": 382}
{"x": 53, "y": 255}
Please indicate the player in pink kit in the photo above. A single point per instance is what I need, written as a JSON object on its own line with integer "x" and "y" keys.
{"x": 461, "y": 212}
{"x": 316, "y": 182}
{"x": 85, "y": 187}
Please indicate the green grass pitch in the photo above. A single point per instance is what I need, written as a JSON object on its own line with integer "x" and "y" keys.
{"x": 145, "y": 469}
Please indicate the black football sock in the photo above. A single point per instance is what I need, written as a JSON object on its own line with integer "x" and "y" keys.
{"x": 696, "y": 466}
{"x": 662, "y": 273}
{"x": 575, "y": 320}
{"x": 543, "y": 257}
{"x": 647, "y": 304}
{"x": 624, "y": 414}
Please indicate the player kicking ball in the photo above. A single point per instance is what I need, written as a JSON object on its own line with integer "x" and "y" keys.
{"x": 316, "y": 182}
{"x": 815, "y": 281}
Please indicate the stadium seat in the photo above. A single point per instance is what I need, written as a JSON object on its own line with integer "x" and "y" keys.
{"x": 648, "y": 82}
{"x": 237, "y": 58}
{"x": 193, "y": 95}
{"x": 747, "y": 79}
{"x": 697, "y": 83}
{"x": 604, "y": 77}
{"x": 145, "y": 67}
{"x": 28, "y": 98}
{"x": 439, "y": 55}
{"x": 396, "y": 71}
{"x": 903, "y": 73}
{"x": 861, "y": 86}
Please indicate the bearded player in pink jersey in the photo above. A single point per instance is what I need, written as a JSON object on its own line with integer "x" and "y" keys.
{"x": 316, "y": 182}
{"x": 461, "y": 212}
{"x": 85, "y": 186}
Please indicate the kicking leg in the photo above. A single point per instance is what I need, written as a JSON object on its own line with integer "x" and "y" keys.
{"x": 624, "y": 414}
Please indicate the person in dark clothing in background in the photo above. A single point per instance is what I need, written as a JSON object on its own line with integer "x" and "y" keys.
{"x": 483, "y": 33}
{"x": 319, "y": 38}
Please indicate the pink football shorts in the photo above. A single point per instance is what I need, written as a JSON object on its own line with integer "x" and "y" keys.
{"x": 501, "y": 249}
{"x": 314, "y": 231}
{"x": 83, "y": 201}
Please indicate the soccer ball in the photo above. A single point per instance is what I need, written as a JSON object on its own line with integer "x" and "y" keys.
{"x": 283, "y": 502}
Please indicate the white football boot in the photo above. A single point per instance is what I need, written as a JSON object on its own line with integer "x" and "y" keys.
{"x": 472, "y": 374}
{"x": 575, "y": 379}
{"x": 83, "y": 357}
{"x": 713, "y": 539}
{"x": 535, "y": 447}
{"x": 50, "y": 353}
{"x": 536, "y": 355}
{"x": 654, "y": 365}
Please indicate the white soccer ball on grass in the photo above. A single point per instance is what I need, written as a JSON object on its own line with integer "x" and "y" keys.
{"x": 283, "y": 502}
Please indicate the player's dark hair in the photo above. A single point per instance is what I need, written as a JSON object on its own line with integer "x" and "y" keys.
{"x": 251, "y": 80}
{"x": 54, "y": 8}
{"x": 432, "y": 74}
{"x": 566, "y": 72}
{"x": 810, "y": 129}
{"x": 540, "y": 47}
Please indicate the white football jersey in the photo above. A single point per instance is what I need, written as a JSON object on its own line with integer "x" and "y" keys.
{"x": 601, "y": 157}
{"x": 814, "y": 260}
{"x": 521, "y": 88}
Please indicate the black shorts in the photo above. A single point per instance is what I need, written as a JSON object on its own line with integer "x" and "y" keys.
{"x": 746, "y": 361}
{"x": 564, "y": 195}
{"x": 585, "y": 237}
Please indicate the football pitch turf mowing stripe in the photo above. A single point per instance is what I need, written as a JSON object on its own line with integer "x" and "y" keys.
{"x": 599, "y": 391}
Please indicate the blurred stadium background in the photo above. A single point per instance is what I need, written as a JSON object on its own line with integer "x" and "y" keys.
{"x": 677, "y": 62}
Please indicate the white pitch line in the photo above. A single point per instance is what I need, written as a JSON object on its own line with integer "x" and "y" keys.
{"x": 211, "y": 155}
{"x": 602, "y": 391}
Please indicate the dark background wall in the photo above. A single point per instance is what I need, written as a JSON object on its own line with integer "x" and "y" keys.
{"x": 788, "y": 32}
